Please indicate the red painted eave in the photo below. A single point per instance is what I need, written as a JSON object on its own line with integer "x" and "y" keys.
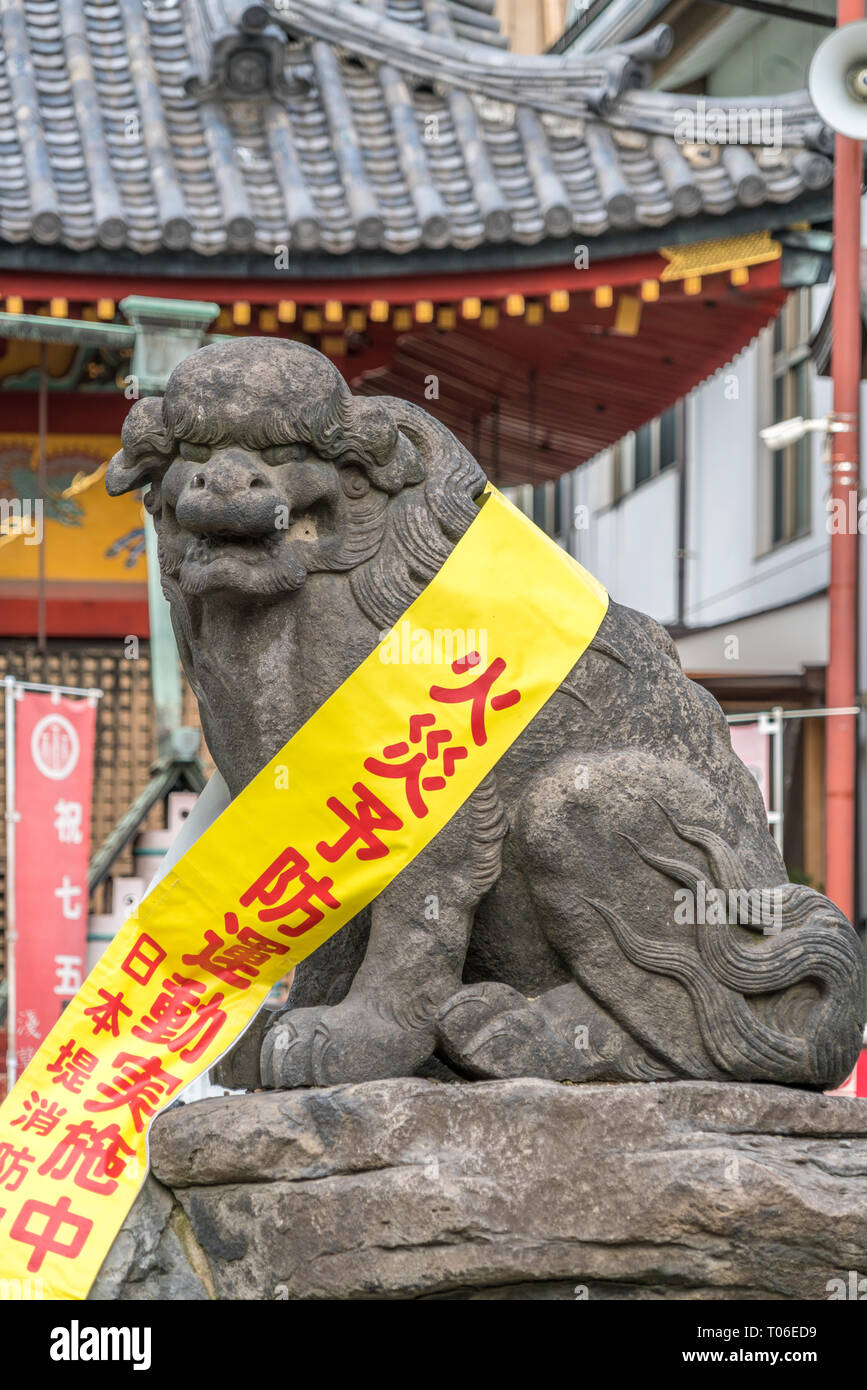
{"x": 532, "y": 402}
{"x": 535, "y": 402}
{"x": 396, "y": 289}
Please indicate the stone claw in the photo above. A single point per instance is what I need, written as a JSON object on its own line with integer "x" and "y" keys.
{"x": 350, "y": 1041}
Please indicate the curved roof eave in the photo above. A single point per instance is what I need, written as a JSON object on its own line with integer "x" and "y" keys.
{"x": 348, "y": 131}
{"x": 242, "y": 266}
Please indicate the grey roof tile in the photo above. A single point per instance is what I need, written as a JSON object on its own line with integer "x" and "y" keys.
{"x": 325, "y": 125}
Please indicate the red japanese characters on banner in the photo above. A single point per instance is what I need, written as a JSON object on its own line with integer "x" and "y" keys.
{"x": 53, "y": 778}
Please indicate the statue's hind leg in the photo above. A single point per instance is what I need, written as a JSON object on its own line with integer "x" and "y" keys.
{"x": 675, "y": 916}
{"x": 626, "y": 871}
{"x": 491, "y": 1031}
{"x": 629, "y": 1024}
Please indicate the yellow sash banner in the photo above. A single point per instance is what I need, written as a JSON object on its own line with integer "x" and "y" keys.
{"x": 362, "y": 787}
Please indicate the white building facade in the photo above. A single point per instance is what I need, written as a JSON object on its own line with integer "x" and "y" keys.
{"x": 692, "y": 519}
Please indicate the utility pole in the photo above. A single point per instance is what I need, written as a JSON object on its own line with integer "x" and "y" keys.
{"x": 841, "y": 689}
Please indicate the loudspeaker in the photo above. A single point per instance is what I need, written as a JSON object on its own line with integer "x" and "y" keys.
{"x": 838, "y": 80}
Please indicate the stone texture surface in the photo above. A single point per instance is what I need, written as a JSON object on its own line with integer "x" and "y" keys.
{"x": 521, "y": 1189}
{"x": 154, "y": 1254}
{"x": 558, "y": 925}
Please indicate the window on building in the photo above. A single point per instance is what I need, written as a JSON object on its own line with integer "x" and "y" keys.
{"x": 542, "y": 503}
{"x": 668, "y": 439}
{"x": 791, "y": 468}
{"x": 521, "y": 496}
{"x": 547, "y": 507}
{"x": 643, "y": 455}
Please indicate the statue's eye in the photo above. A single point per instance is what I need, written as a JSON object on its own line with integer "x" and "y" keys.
{"x": 285, "y": 453}
{"x": 354, "y": 482}
{"x": 194, "y": 453}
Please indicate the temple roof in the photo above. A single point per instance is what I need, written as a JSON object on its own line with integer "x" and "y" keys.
{"x": 331, "y": 127}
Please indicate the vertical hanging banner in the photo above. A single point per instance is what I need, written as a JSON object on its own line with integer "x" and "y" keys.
{"x": 54, "y": 740}
{"x": 754, "y": 750}
{"x": 855, "y": 1084}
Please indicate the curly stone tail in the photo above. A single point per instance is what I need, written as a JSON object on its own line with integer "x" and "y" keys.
{"x": 805, "y": 980}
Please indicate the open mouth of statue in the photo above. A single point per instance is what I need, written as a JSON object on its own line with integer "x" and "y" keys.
{"x": 204, "y": 549}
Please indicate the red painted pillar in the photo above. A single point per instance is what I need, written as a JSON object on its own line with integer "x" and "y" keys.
{"x": 840, "y": 748}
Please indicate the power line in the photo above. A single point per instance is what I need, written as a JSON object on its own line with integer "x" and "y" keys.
{"x": 825, "y": 21}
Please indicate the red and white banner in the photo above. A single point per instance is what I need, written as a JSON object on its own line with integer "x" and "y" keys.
{"x": 856, "y": 1083}
{"x": 754, "y": 750}
{"x": 54, "y": 740}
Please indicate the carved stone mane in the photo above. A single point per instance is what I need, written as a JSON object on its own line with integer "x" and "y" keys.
{"x": 296, "y": 522}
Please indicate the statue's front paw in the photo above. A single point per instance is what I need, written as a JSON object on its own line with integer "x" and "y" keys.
{"x": 325, "y": 1046}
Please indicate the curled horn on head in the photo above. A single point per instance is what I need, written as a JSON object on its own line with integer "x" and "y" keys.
{"x": 372, "y": 439}
{"x": 424, "y": 522}
{"x": 147, "y": 447}
{"x": 453, "y": 478}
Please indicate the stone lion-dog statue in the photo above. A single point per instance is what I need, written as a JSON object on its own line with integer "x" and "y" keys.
{"x": 557, "y": 951}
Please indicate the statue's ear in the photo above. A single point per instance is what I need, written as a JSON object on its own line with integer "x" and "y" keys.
{"x": 453, "y": 478}
{"x": 377, "y": 443}
{"x": 121, "y": 477}
{"x": 147, "y": 449}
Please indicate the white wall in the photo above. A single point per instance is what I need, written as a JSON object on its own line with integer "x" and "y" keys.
{"x": 730, "y": 572}
{"x": 776, "y": 57}
{"x": 631, "y": 547}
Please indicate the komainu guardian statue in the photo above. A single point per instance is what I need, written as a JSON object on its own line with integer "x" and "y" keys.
{"x": 610, "y": 905}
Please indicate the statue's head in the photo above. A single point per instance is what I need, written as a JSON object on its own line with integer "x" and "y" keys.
{"x": 263, "y": 468}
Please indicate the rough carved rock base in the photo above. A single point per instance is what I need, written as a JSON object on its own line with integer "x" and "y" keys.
{"x": 511, "y": 1189}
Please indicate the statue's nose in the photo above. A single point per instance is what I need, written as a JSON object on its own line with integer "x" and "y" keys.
{"x": 227, "y": 474}
{"x": 230, "y": 493}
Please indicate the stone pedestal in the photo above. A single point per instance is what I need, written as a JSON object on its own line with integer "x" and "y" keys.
{"x": 509, "y": 1189}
